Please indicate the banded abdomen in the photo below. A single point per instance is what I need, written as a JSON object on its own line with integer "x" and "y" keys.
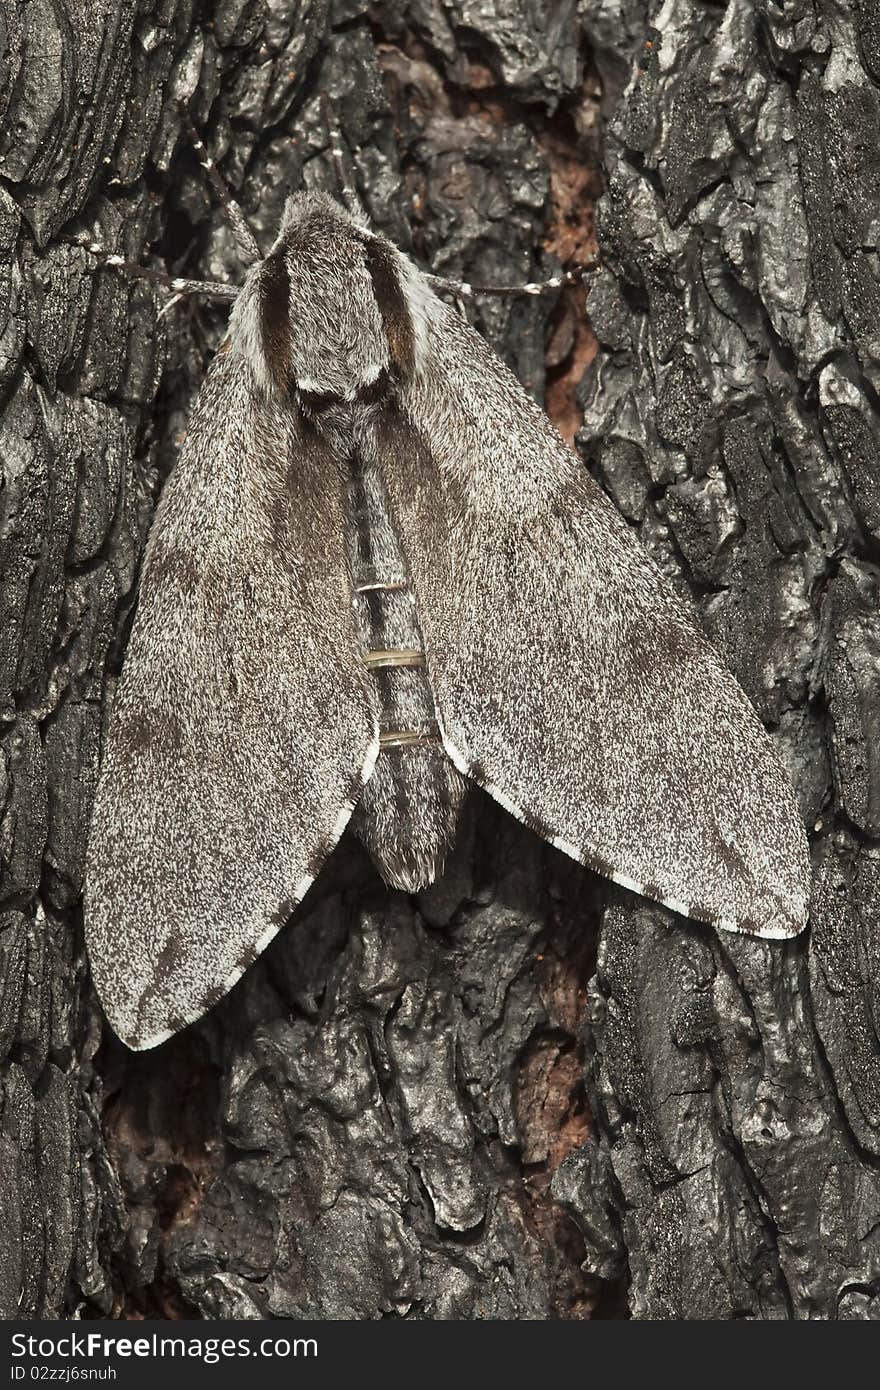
{"x": 409, "y": 812}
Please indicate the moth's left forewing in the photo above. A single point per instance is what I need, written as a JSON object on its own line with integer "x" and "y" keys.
{"x": 569, "y": 680}
{"x": 243, "y": 726}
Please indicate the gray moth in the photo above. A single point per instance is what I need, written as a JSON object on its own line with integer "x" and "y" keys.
{"x": 378, "y": 574}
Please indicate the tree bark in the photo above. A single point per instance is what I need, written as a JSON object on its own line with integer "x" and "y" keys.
{"x": 369, "y": 1124}
{"x": 732, "y": 416}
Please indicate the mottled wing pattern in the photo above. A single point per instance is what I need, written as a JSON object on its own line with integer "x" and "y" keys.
{"x": 243, "y": 726}
{"x": 569, "y": 680}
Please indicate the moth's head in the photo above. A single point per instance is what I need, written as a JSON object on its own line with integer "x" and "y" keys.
{"x": 334, "y": 311}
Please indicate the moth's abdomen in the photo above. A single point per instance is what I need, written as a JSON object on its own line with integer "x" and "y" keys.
{"x": 409, "y": 811}
{"x": 408, "y": 814}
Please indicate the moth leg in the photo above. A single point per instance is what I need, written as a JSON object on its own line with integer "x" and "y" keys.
{"x": 244, "y": 237}
{"x": 346, "y": 187}
{"x": 207, "y": 289}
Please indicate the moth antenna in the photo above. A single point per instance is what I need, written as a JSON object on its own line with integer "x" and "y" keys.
{"x": 464, "y": 290}
{"x": 206, "y": 289}
{"x": 346, "y": 187}
{"x": 244, "y": 237}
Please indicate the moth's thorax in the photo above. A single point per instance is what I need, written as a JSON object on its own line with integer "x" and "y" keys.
{"x": 338, "y": 344}
{"x": 334, "y": 311}
{"x": 346, "y": 427}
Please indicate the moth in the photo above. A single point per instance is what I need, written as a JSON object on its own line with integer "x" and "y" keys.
{"x": 377, "y": 574}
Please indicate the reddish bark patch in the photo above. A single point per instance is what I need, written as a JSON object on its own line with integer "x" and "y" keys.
{"x": 575, "y": 186}
{"x": 159, "y": 1122}
{"x": 551, "y": 1108}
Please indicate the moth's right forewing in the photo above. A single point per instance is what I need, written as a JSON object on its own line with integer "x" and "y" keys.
{"x": 243, "y": 726}
{"x": 568, "y": 679}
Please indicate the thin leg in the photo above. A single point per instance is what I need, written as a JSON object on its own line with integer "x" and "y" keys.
{"x": 534, "y": 287}
{"x": 244, "y": 237}
{"x": 346, "y": 188}
{"x": 207, "y": 289}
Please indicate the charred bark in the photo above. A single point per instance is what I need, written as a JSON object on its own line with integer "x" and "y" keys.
{"x": 732, "y": 416}
{"x": 369, "y": 1124}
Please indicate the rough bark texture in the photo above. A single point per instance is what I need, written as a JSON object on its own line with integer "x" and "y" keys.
{"x": 369, "y": 1124}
